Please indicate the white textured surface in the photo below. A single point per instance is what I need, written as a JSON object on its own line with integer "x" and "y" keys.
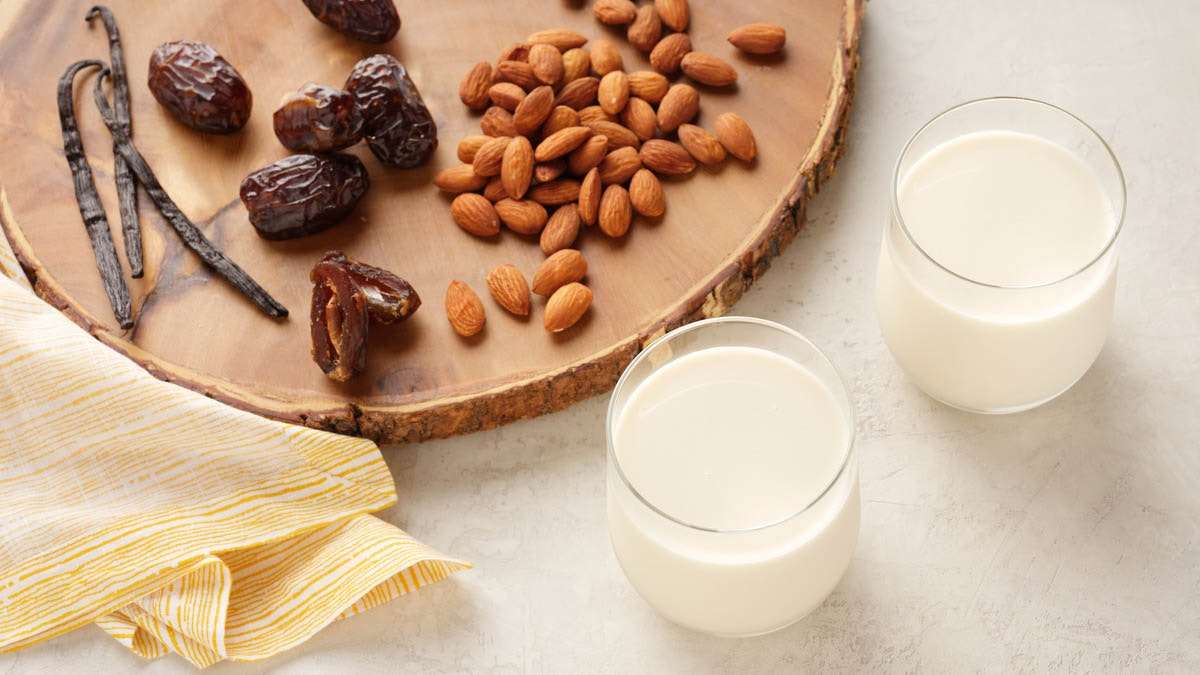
{"x": 1064, "y": 539}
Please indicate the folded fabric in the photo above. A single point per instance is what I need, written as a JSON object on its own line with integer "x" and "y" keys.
{"x": 173, "y": 521}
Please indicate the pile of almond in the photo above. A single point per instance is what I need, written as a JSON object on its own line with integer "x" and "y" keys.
{"x": 569, "y": 138}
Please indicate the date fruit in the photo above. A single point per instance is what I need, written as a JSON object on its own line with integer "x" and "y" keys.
{"x": 373, "y": 21}
{"x": 318, "y": 119}
{"x": 303, "y": 194}
{"x": 199, "y": 87}
{"x": 389, "y": 298}
{"x": 397, "y": 125}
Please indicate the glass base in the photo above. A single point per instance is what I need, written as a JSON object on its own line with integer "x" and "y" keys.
{"x": 1002, "y": 411}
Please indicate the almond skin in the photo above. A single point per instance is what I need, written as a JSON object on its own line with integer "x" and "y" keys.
{"x": 473, "y": 89}
{"x": 646, "y": 194}
{"x": 506, "y": 95}
{"x": 614, "y": 12}
{"x": 475, "y": 214}
{"x": 613, "y": 92}
{"x": 666, "y": 158}
{"x": 646, "y": 29}
{"x": 735, "y": 135}
{"x": 648, "y": 85}
{"x": 578, "y": 93}
{"x": 470, "y": 145}
{"x": 759, "y": 38}
{"x": 509, "y": 289}
{"x": 589, "y": 196}
{"x": 516, "y": 51}
{"x": 669, "y": 52}
{"x": 544, "y": 172}
{"x": 519, "y": 73}
{"x": 679, "y": 106}
{"x": 561, "y": 268}
{"x": 522, "y": 216}
{"x": 605, "y": 58}
{"x": 674, "y": 13}
{"x": 701, "y": 145}
{"x": 640, "y": 118}
{"x": 458, "y": 179}
{"x": 516, "y": 169}
{"x": 561, "y": 230}
{"x": 560, "y": 118}
{"x": 588, "y": 155}
{"x": 594, "y": 113}
{"x": 615, "y": 211}
{"x": 547, "y": 63}
{"x": 561, "y": 142}
{"x": 577, "y": 63}
{"x": 490, "y": 156}
{"x": 534, "y": 110}
{"x": 494, "y": 191}
{"x": 617, "y": 135}
{"x": 566, "y": 307}
{"x": 561, "y": 38}
{"x": 464, "y": 309}
{"x": 708, "y": 69}
{"x": 561, "y": 191}
{"x": 497, "y": 122}
{"x": 619, "y": 166}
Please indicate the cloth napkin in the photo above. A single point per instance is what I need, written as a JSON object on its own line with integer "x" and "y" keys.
{"x": 174, "y": 522}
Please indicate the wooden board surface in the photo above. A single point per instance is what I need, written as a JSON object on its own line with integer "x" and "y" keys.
{"x": 720, "y": 232}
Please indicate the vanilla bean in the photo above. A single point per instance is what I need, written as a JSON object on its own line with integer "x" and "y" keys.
{"x": 126, "y": 182}
{"x": 187, "y": 230}
{"x": 94, "y": 219}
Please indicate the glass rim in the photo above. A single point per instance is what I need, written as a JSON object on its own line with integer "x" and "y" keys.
{"x": 703, "y": 324}
{"x": 895, "y": 202}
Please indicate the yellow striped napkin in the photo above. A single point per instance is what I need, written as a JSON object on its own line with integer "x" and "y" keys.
{"x": 174, "y": 522}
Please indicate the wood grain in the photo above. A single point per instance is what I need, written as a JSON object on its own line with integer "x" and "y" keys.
{"x": 721, "y": 230}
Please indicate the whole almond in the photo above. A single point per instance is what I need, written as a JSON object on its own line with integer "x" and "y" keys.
{"x": 639, "y": 117}
{"x": 519, "y": 73}
{"x": 473, "y": 89}
{"x": 594, "y": 113}
{"x": 494, "y": 191}
{"x": 758, "y": 38}
{"x": 566, "y": 307}
{"x": 615, "y": 211}
{"x": 701, "y": 145}
{"x": 509, "y": 289}
{"x": 576, "y": 64}
{"x": 516, "y": 51}
{"x": 648, "y": 85}
{"x": 589, "y": 196}
{"x": 555, "y": 192}
{"x": 617, "y": 135}
{"x": 464, "y": 309}
{"x": 708, "y": 69}
{"x": 674, "y": 13}
{"x": 605, "y": 57}
{"x": 475, "y": 214}
{"x": 534, "y": 110}
{"x": 614, "y": 12}
{"x": 666, "y": 158}
{"x": 619, "y": 166}
{"x": 669, "y": 52}
{"x": 613, "y": 92}
{"x": 588, "y": 156}
{"x": 561, "y": 268}
{"x": 561, "y": 38}
{"x": 646, "y": 194}
{"x": 522, "y": 216}
{"x": 679, "y": 106}
{"x": 516, "y": 169}
{"x": 645, "y": 30}
{"x": 560, "y": 118}
{"x": 578, "y": 93}
{"x": 458, "y": 179}
{"x": 544, "y": 172}
{"x": 547, "y": 63}
{"x": 470, "y": 145}
{"x": 561, "y": 230}
{"x": 735, "y": 135}
{"x": 506, "y": 95}
{"x": 489, "y": 158}
{"x": 561, "y": 142}
{"x": 497, "y": 122}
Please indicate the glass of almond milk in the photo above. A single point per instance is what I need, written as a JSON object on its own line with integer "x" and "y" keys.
{"x": 998, "y": 268}
{"x": 733, "y": 501}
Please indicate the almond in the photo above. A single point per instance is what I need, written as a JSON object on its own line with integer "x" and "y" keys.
{"x": 506, "y": 95}
{"x": 613, "y": 92}
{"x": 561, "y": 230}
{"x": 679, "y": 106}
{"x": 589, "y": 155}
{"x": 519, "y": 73}
{"x": 509, "y": 289}
{"x": 648, "y": 85}
{"x": 617, "y": 135}
{"x": 475, "y": 214}
{"x": 473, "y": 89}
{"x": 560, "y": 118}
{"x": 494, "y": 191}
{"x": 639, "y": 117}
{"x": 619, "y": 166}
{"x": 561, "y": 268}
{"x": 534, "y": 110}
{"x": 555, "y": 192}
{"x": 645, "y": 30}
{"x": 516, "y": 170}
{"x": 646, "y": 194}
{"x": 547, "y": 63}
{"x": 735, "y": 135}
{"x": 487, "y": 161}
{"x": 470, "y": 145}
{"x": 522, "y": 216}
{"x": 605, "y": 58}
{"x": 566, "y": 307}
{"x": 665, "y": 157}
{"x": 458, "y": 179}
{"x": 614, "y": 12}
{"x": 669, "y": 52}
{"x": 561, "y": 142}
{"x": 578, "y": 93}
{"x": 576, "y": 64}
{"x": 674, "y": 13}
{"x": 497, "y": 122}
{"x": 561, "y": 38}
{"x": 615, "y": 211}
{"x": 758, "y": 38}
{"x": 544, "y": 172}
{"x": 701, "y": 145}
{"x": 594, "y": 113}
{"x": 517, "y": 51}
{"x": 589, "y": 196}
{"x": 708, "y": 69}
{"x": 464, "y": 309}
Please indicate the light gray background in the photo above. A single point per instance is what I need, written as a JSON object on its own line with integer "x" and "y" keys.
{"x": 1063, "y": 539}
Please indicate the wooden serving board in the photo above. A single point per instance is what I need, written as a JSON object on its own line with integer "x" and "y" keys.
{"x": 720, "y": 232}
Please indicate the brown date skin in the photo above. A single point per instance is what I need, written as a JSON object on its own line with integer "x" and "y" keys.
{"x": 396, "y": 124}
{"x": 389, "y": 298}
{"x": 374, "y": 21}
{"x": 318, "y": 119}
{"x": 199, "y": 87}
{"x": 303, "y": 194}
{"x": 339, "y": 322}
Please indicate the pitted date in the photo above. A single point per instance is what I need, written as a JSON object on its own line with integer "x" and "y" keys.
{"x": 389, "y": 298}
{"x": 318, "y": 119}
{"x": 303, "y": 194}
{"x": 397, "y": 125}
{"x": 373, "y": 21}
{"x": 199, "y": 87}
